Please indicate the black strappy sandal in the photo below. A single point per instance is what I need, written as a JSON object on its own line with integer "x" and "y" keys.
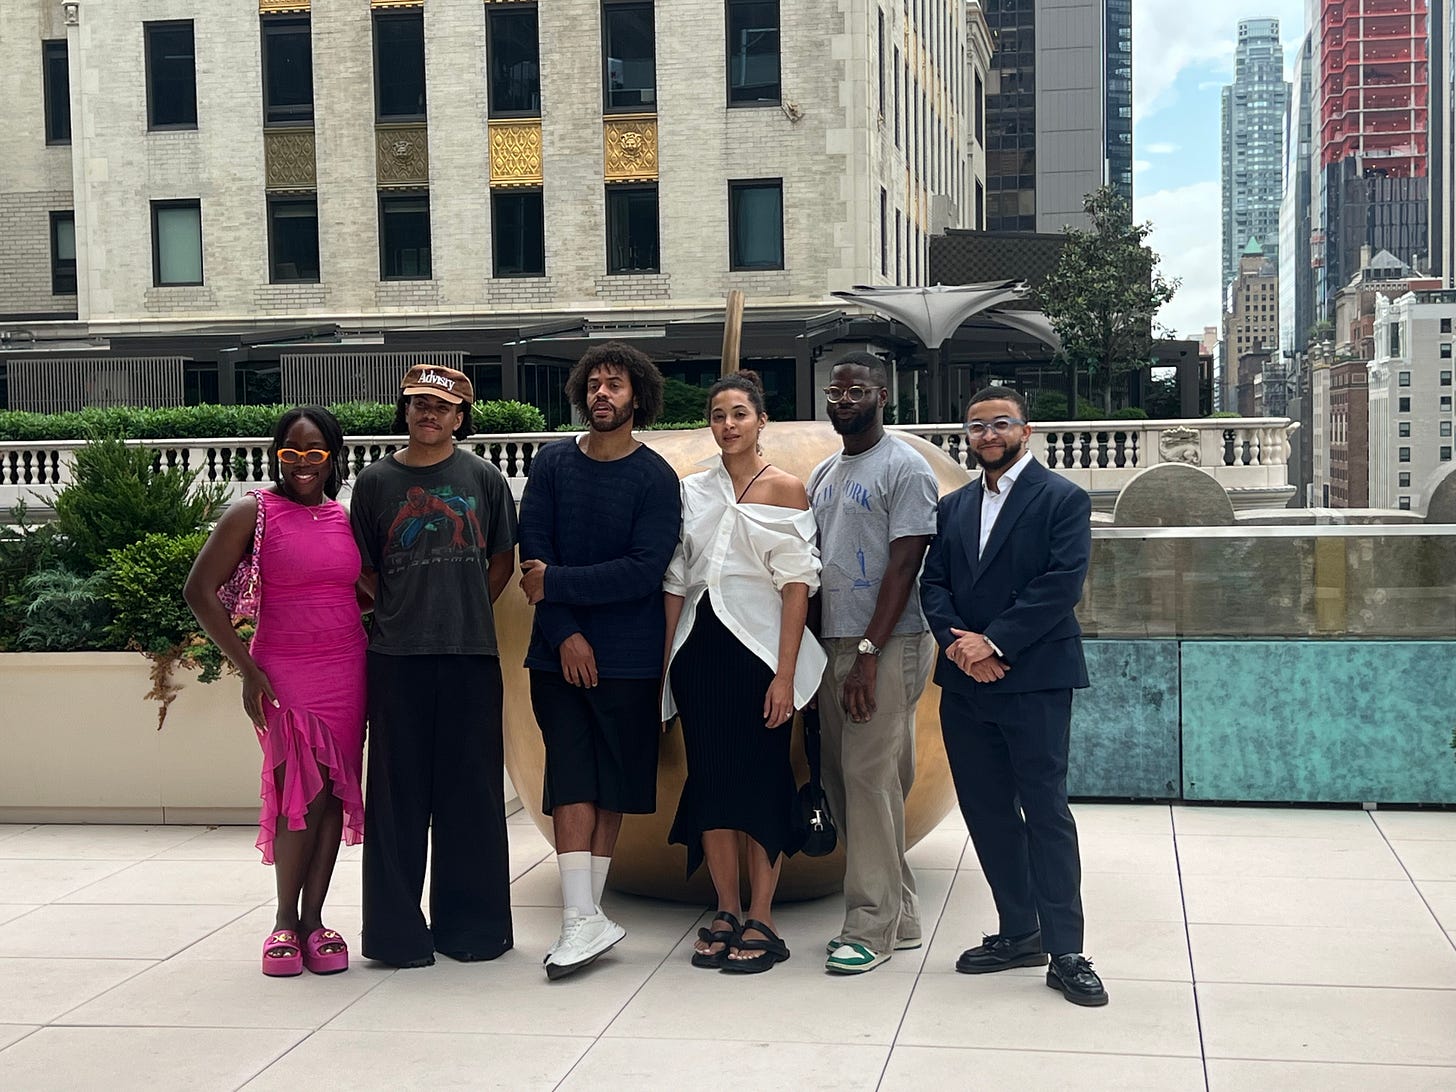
{"x": 714, "y": 960}
{"x": 774, "y": 951}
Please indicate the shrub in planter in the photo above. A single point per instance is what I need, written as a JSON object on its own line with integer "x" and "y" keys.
{"x": 362, "y": 418}
{"x": 117, "y": 495}
{"x": 504, "y": 415}
{"x": 25, "y": 550}
{"x": 67, "y": 612}
{"x": 1130, "y": 413}
{"x": 144, "y": 588}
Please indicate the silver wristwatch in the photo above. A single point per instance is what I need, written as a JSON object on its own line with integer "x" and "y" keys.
{"x": 868, "y": 647}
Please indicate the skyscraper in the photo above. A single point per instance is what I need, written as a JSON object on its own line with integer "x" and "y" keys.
{"x": 1252, "y": 120}
{"x": 1296, "y": 283}
{"x": 1063, "y": 73}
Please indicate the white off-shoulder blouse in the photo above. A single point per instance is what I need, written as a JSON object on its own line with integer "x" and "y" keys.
{"x": 744, "y": 554}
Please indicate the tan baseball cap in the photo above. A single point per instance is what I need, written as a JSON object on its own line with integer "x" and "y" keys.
{"x": 440, "y": 381}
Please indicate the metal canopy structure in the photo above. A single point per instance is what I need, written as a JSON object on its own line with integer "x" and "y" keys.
{"x": 935, "y": 312}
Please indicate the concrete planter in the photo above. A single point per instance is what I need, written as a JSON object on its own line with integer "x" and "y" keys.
{"x": 81, "y": 744}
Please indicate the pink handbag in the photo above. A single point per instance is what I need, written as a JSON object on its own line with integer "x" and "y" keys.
{"x": 242, "y": 595}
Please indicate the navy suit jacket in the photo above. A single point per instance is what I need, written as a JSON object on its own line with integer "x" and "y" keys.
{"x": 1021, "y": 592}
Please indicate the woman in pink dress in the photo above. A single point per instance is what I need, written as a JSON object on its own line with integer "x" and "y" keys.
{"x": 303, "y": 676}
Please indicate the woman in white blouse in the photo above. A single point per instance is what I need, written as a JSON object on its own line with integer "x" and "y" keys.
{"x": 738, "y": 665}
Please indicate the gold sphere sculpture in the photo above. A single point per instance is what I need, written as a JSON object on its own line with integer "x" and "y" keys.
{"x": 644, "y": 863}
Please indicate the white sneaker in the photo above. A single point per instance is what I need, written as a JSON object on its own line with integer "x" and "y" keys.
{"x": 583, "y": 938}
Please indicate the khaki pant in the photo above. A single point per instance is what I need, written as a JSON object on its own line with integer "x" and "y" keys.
{"x": 868, "y": 771}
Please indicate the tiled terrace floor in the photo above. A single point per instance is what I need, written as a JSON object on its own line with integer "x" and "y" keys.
{"x": 1244, "y": 949}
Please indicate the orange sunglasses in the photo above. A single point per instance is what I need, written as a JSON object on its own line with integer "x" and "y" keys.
{"x": 314, "y": 456}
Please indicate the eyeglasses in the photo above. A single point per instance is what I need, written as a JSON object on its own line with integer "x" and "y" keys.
{"x": 314, "y": 456}
{"x": 1001, "y": 426}
{"x": 833, "y": 395}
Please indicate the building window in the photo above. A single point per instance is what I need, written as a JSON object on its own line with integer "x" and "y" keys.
{"x": 515, "y": 60}
{"x": 884, "y": 233}
{"x": 753, "y": 52}
{"x": 1446, "y": 350}
{"x": 293, "y": 247}
{"x": 898, "y": 267}
{"x": 629, "y": 60}
{"x": 1446, "y": 454}
{"x": 399, "y": 68}
{"x": 1445, "y": 379}
{"x": 1403, "y": 379}
{"x": 632, "y": 229}
{"x": 1403, "y": 429}
{"x": 518, "y": 233}
{"x": 404, "y": 236}
{"x": 880, "y": 61}
{"x": 1404, "y": 504}
{"x": 1403, "y": 404}
{"x": 176, "y": 242}
{"x": 756, "y": 224}
{"x": 980, "y": 223}
{"x": 1445, "y": 326}
{"x": 171, "y": 76}
{"x": 63, "y": 253}
{"x": 1445, "y": 428}
{"x": 56, "y": 71}
{"x": 1404, "y": 479}
{"x": 1446, "y": 403}
{"x": 896, "y": 78}
{"x": 1404, "y": 455}
{"x": 980, "y": 112}
{"x": 287, "y": 70}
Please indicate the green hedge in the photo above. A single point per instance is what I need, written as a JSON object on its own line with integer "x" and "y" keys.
{"x": 223, "y": 422}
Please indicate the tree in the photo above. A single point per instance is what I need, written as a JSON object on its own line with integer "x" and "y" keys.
{"x": 1105, "y": 293}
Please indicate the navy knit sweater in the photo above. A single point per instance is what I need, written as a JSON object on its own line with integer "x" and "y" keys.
{"x": 606, "y": 531}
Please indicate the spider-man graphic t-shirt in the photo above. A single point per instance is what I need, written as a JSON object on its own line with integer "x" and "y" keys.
{"x": 429, "y": 533}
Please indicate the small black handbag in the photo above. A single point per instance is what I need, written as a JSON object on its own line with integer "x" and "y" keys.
{"x": 812, "y": 821}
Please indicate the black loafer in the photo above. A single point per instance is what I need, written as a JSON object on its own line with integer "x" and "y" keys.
{"x": 1074, "y": 976}
{"x": 998, "y": 953}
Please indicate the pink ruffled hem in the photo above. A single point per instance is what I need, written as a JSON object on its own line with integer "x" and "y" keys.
{"x": 301, "y": 742}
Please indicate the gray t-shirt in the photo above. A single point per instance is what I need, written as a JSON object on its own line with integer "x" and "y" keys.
{"x": 429, "y": 532}
{"x": 862, "y": 503}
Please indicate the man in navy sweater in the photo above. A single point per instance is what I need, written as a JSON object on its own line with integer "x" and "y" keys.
{"x": 599, "y": 521}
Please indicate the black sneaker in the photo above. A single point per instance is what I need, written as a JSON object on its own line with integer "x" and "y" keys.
{"x": 998, "y": 953}
{"x": 1074, "y": 976}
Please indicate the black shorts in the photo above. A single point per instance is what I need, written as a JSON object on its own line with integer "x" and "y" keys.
{"x": 601, "y": 742}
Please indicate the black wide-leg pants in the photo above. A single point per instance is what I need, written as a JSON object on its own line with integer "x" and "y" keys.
{"x": 436, "y": 768}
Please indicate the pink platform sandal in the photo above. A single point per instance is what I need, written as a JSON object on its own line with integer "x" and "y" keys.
{"x": 321, "y": 962}
{"x": 282, "y": 955}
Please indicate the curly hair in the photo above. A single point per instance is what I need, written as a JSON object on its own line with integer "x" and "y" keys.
{"x": 401, "y": 425}
{"x": 328, "y": 426}
{"x": 743, "y": 380}
{"x": 646, "y": 380}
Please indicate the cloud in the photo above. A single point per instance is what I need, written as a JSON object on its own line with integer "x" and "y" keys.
{"x": 1140, "y": 165}
{"x": 1190, "y": 249}
{"x": 1171, "y": 36}
{"x": 1160, "y": 148}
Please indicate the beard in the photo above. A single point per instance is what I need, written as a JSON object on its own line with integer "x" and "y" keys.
{"x": 1009, "y": 454}
{"x": 615, "y": 421}
{"x": 852, "y": 426}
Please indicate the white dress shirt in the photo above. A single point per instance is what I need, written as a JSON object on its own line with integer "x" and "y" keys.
{"x": 744, "y": 554}
{"x": 993, "y": 502}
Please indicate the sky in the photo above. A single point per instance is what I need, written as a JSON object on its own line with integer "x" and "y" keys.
{"x": 1183, "y": 54}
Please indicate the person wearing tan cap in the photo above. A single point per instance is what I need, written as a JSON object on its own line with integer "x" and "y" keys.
{"x": 436, "y": 527}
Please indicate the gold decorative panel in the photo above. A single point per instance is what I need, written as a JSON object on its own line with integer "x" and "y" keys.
{"x": 396, "y": 3}
{"x": 288, "y": 157}
{"x": 401, "y": 155}
{"x": 515, "y": 153}
{"x": 277, "y": 7}
{"x": 631, "y": 148}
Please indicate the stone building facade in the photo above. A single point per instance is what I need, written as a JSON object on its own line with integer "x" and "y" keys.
{"x": 772, "y": 147}
{"x": 1410, "y": 393}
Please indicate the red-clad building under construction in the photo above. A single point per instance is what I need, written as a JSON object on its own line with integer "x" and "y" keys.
{"x": 1374, "y": 86}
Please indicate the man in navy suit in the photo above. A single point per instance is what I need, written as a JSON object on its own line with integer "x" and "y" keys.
{"x": 1001, "y": 580}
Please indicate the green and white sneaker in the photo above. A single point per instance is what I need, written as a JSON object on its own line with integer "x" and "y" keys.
{"x": 906, "y": 944}
{"x": 854, "y": 959}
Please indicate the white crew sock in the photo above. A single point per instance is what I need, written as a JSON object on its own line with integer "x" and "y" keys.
{"x": 600, "y": 866}
{"x": 576, "y": 882}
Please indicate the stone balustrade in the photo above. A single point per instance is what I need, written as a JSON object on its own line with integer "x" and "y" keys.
{"x": 1247, "y": 456}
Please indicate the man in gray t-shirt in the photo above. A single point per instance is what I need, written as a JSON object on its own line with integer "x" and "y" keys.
{"x": 875, "y": 505}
